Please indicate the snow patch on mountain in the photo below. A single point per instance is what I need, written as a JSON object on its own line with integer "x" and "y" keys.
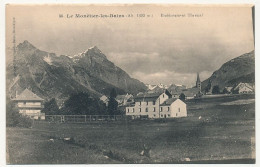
{"x": 162, "y": 86}
{"x": 48, "y": 60}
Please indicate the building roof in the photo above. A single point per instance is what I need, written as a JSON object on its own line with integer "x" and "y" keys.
{"x": 147, "y": 97}
{"x": 121, "y": 98}
{"x": 168, "y": 102}
{"x": 104, "y": 98}
{"x": 27, "y": 95}
{"x": 248, "y": 85}
{"x": 191, "y": 92}
{"x": 151, "y": 96}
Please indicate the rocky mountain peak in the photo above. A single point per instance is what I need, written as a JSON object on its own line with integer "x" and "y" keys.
{"x": 26, "y": 45}
{"x": 95, "y": 51}
{"x": 94, "y": 48}
{"x": 92, "y": 52}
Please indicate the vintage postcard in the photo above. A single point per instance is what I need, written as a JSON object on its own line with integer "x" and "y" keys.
{"x": 130, "y": 84}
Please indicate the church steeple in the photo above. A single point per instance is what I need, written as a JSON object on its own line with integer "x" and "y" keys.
{"x": 198, "y": 83}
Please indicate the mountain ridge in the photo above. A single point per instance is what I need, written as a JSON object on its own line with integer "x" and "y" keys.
{"x": 55, "y": 76}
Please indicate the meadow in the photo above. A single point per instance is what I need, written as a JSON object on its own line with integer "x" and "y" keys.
{"x": 217, "y": 130}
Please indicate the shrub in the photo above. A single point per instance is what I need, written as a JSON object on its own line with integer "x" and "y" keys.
{"x": 51, "y": 107}
{"x": 25, "y": 121}
{"x": 14, "y": 118}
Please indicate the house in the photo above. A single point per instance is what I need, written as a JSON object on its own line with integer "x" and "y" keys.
{"x": 124, "y": 99}
{"x": 244, "y": 88}
{"x": 104, "y": 99}
{"x": 173, "y": 108}
{"x": 156, "y": 105}
{"x": 29, "y": 104}
{"x": 190, "y": 93}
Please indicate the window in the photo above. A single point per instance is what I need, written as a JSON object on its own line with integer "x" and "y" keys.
{"x": 179, "y": 109}
{"x": 140, "y": 109}
{"x": 168, "y": 108}
{"x": 147, "y": 103}
{"x": 128, "y": 110}
{"x": 169, "y": 115}
{"x": 154, "y": 109}
{"x": 146, "y": 110}
{"x": 153, "y": 102}
{"x": 24, "y": 102}
{"x": 140, "y": 103}
{"x": 161, "y": 115}
{"x": 176, "y": 114}
{"x": 163, "y": 95}
{"x": 133, "y": 110}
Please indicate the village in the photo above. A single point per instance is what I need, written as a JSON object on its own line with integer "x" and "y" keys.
{"x": 198, "y": 120}
{"x": 157, "y": 102}
{"x": 129, "y": 84}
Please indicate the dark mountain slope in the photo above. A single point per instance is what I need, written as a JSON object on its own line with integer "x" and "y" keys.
{"x": 239, "y": 69}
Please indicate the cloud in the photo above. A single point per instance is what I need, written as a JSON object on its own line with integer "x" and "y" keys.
{"x": 188, "y": 61}
{"x": 135, "y": 61}
{"x": 150, "y": 49}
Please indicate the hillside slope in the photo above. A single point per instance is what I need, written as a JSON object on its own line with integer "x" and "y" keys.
{"x": 239, "y": 69}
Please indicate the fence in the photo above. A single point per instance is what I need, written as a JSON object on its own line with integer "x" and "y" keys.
{"x": 81, "y": 118}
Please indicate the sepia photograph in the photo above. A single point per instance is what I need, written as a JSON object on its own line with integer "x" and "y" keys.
{"x": 130, "y": 84}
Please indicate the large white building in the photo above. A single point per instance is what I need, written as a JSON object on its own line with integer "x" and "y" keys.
{"x": 29, "y": 104}
{"x": 156, "y": 105}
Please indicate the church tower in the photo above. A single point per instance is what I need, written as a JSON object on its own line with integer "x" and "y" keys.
{"x": 198, "y": 83}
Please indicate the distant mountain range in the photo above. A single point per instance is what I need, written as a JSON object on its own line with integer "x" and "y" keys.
{"x": 230, "y": 74}
{"x": 52, "y": 76}
{"x": 162, "y": 86}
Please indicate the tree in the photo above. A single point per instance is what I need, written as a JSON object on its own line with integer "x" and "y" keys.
{"x": 112, "y": 103}
{"x": 225, "y": 91}
{"x": 182, "y": 97}
{"x": 51, "y": 107}
{"x": 82, "y": 104}
{"x": 216, "y": 90}
{"x": 113, "y": 93}
{"x": 208, "y": 87}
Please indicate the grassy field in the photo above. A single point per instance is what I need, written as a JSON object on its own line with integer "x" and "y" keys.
{"x": 213, "y": 132}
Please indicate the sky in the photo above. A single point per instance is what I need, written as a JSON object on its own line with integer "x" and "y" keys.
{"x": 151, "y": 49}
